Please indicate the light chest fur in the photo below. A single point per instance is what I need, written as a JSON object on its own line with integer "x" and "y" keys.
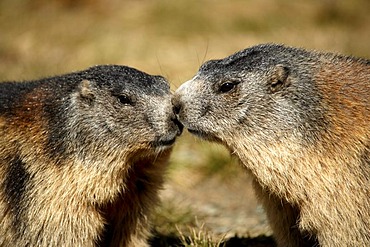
{"x": 299, "y": 122}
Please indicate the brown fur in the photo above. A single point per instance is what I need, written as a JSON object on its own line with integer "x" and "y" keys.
{"x": 79, "y": 164}
{"x": 299, "y": 122}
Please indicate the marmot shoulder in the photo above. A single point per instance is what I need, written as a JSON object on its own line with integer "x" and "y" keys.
{"x": 299, "y": 122}
{"x": 82, "y": 157}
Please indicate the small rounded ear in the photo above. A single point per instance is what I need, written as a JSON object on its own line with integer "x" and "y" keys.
{"x": 278, "y": 78}
{"x": 85, "y": 91}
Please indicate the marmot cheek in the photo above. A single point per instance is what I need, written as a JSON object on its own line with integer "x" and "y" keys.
{"x": 304, "y": 139}
{"x": 75, "y": 162}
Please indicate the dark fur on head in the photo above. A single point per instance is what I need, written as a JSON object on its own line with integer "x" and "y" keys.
{"x": 299, "y": 122}
{"x": 82, "y": 157}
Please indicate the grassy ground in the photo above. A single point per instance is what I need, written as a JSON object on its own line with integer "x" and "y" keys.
{"x": 208, "y": 198}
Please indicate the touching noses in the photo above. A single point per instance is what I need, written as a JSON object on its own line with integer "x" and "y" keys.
{"x": 178, "y": 98}
{"x": 176, "y": 105}
{"x": 180, "y": 101}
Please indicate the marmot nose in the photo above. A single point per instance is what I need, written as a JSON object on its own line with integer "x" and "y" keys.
{"x": 180, "y": 126}
{"x": 176, "y": 106}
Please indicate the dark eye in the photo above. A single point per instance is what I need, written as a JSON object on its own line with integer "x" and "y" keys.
{"x": 226, "y": 87}
{"x": 124, "y": 99}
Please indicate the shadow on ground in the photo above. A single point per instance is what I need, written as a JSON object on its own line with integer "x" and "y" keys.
{"x": 174, "y": 241}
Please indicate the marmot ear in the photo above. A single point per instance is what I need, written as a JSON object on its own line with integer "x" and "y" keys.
{"x": 85, "y": 91}
{"x": 278, "y": 78}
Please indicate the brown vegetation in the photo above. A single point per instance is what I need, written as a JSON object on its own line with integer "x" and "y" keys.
{"x": 173, "y": 38}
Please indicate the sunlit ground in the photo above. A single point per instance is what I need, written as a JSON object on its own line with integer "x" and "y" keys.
{"x": 207, "y": 192}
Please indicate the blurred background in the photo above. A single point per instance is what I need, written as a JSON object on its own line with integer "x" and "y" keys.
{"x": 208, "y": 197}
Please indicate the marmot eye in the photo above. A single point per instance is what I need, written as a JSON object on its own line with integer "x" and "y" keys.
{"x": 226, "y": 87}
{"x": 124, "y": 99}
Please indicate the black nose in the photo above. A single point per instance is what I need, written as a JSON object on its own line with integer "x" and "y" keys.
{"x": 179, "y": 125}
{"x": 176, "y": 109}
{"x": 176, "y": 106}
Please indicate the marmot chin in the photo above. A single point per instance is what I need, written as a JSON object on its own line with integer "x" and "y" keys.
{"x": 82, "y": 157}
{"x": 299, "y": 121}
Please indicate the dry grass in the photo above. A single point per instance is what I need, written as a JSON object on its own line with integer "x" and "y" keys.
{"x": 199, "y": 237}
{"x": 172, "y": 38}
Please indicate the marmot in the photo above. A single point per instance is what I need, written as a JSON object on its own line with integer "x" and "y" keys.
{"x": 299, "y": 121}
{"x": 82, "y": 157}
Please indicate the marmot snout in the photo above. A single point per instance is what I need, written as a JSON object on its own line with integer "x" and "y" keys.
{"x": 82, "y": 157}
{"x": 299, "y": 122}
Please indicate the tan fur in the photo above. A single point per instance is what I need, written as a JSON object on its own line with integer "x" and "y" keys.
{"x": 305, "y": 140}
{"x": 97, "y": 192}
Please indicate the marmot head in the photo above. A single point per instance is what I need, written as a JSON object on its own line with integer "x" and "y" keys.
{"x": 111, "y": 110}
{"x": 264, "y": 92}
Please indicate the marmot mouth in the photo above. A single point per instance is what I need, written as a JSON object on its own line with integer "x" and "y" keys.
{"x": 201, "y": 134}
{"x": 164, "y": 142}
{"x": 205, "y": 135}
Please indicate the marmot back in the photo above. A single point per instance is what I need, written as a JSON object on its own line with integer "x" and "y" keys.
{"x": 82, "y": 157}
{"x": 299, "y": 122}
